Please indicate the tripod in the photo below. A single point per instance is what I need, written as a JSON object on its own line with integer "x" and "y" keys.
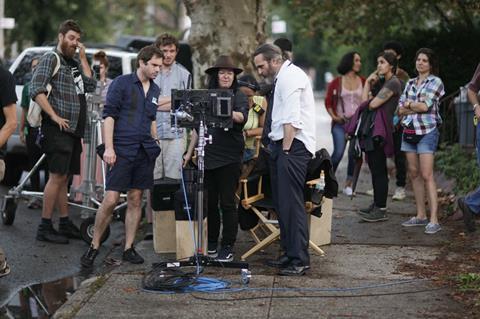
{"x": 199, "y": 259}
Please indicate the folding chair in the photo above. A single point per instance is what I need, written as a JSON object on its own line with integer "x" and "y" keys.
{"x": 262, "y": 206}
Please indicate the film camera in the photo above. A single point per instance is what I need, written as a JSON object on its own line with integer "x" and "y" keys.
{"x": 213, "y": 107}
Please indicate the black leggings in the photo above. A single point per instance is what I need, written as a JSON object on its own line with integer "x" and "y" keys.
{"x": 377, "y": 162}
{"x": 221, "y": 184}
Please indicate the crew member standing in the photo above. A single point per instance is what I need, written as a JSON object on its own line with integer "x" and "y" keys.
{"x": 292, "y": 144}
{"x": 130, "y": 149}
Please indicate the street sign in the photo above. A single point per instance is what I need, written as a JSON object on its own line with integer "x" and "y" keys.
{"x": 7, "y": 23}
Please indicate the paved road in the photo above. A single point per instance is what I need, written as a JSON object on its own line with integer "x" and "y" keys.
{"x": 360, "y": 255}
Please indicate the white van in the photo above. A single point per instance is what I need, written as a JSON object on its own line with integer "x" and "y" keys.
{"x": 120, "y": 62}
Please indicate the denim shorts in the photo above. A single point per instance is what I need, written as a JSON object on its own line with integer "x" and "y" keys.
{"x": 427, "y": 145}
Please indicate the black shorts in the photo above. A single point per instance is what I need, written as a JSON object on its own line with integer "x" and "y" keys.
{"x": 125, "y": 174}
{"x": 63, "y": 151}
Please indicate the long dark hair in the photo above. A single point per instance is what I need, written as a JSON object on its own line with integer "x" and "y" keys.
{"x": 432, "y": 60}
{"x": 390, "y": 58}
{"x": 346, "y": 63}
{"x": 213, "y": 81}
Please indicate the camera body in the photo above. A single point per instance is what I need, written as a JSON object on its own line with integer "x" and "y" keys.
{"x": 213, "y": 107}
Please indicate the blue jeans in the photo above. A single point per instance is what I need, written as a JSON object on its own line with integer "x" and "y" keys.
{"x": 472, "y": 200}
{"x": 339, "y": 145}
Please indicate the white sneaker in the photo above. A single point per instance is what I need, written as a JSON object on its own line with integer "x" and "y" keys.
{"x": 399, "y": 194}
{"x": 369, "y": 192}
{"x": 348, "y": 191}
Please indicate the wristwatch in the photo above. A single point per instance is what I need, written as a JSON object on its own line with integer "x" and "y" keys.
{"x": 475, "y": 106}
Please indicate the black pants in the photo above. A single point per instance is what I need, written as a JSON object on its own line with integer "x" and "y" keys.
{"x": 400, "y": 159}
{"x": 221, "y": 184}
{"x": 377, "y": 162}
{"x": 288, "y": 174}
{"x": 34, "y": 154}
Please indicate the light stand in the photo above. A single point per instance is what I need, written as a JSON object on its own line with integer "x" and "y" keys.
{"x": 199, "y": 259}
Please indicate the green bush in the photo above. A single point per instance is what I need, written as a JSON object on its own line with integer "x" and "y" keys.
{"x": 460, "y": 164}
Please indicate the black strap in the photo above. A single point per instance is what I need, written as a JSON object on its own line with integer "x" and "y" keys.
{"x": 267, "y": 127}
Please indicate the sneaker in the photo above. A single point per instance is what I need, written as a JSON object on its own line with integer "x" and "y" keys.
{"x": 132, "y": 256}
{"x": 376, "y": 215}
{"x": 399, "y": 194}
{"x": 367, "y": 210}
{"x": 89, "y": 257}
{"x": 432, "y": 228}
{"x": 69, "y": 230}
{"x": 467, "y": 215}
{"x": 369, "y": 192}
{"x": 348, "y": 191}
{"x": 212, "y": 249}
{"x": 225, "y": 254}
{"x": 414, "y": 221}
{"x": 47, "y": 233}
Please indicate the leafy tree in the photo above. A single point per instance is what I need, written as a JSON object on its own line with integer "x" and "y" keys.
{"x": 37, "y": 21}
{"x": 340, "y": 25}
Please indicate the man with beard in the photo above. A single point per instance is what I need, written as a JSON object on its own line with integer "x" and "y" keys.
{"x": 292, "y": 144}
{"x": 130, "y": 149}
{"x": 63, "y": 123}
{"x": 172, "y": 76}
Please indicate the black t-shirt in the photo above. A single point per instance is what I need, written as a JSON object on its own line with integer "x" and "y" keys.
{"x": 77, "y": 77}
{"x": 7, "y": 97}
{"x": 227, "y": 146}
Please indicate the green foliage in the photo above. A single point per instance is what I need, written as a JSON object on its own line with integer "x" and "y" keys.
{"x": 102, "y": 21}
{"x": 337, "y": 26}
{"x": 38, "y": 21}
{"x": 469, "y": 282}
{"x": 459, "y": 164}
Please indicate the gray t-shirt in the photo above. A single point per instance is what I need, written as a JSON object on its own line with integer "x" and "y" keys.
{"x": 394, "y": 85}
{"x": 176, "y": 78}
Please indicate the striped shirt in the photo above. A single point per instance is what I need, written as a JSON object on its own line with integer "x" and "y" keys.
{"x": 429, "y": 92}
{"x": 64, "y": 97}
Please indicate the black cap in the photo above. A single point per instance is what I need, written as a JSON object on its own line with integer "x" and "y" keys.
{"x": 284, "y": 44}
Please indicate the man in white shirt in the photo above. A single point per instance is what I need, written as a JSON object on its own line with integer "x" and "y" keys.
{"x": 292, "y": 143}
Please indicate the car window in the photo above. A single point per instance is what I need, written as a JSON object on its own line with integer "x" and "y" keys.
{"x": 134, "y": 64}
{"x": 22, "y": 73}
{"x": 114, "y": 65}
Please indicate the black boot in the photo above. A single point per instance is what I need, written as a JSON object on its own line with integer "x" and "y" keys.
{"x": 89, "y": 257}
{"x": 69, "y": 230}
{"x": 46, "y": 232}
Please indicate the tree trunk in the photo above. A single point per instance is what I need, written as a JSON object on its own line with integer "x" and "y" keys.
{"x": 221, "y": 27}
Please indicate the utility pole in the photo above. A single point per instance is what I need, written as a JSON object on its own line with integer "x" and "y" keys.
{"x": 5, "y": 23}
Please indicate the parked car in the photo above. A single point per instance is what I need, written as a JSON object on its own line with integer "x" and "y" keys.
{"x": 120, "y": 62}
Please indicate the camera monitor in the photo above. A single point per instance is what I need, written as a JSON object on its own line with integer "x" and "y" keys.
{"x": 213, "y": 107}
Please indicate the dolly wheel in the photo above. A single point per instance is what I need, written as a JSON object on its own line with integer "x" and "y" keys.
{"x": 86, "y": 230}
{"x": 8, "y": 214}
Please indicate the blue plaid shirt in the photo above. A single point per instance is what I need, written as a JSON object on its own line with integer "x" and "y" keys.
{"x": 64, "y": 97}
{"x": 429, "y": 92}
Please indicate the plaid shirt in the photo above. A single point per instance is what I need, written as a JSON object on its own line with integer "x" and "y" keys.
{"x": 429, "y": 92}
{"x": 63, "y": 97}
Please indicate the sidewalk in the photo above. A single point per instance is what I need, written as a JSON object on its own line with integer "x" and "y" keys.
{"x": 361, "y": 255}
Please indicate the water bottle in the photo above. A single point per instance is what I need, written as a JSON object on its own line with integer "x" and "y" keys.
{"x": 320, "y": 186}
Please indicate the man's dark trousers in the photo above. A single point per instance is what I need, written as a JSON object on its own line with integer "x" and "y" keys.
{"x": 288, "y": 174}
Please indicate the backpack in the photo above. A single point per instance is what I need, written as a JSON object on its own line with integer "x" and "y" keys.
{"x": 34, "y": 115}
